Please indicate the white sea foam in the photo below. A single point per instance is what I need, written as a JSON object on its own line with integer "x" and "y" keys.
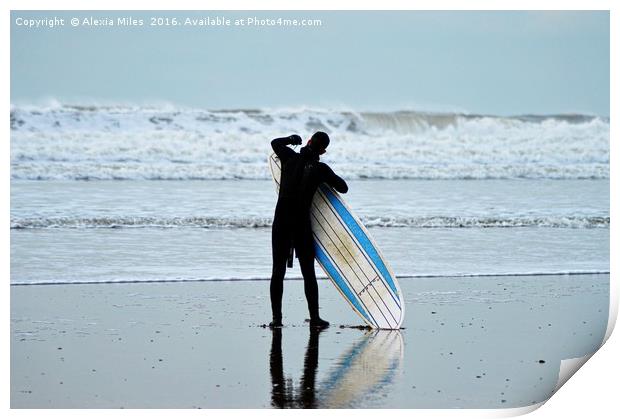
{"x": 140, "y": 142}
{"x": 259, "y": 222}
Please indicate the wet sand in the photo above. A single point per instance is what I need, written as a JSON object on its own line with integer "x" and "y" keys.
{"x": 487, "y": 342}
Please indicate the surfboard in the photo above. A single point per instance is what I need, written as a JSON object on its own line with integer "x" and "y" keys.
{"x": 351, "y": 259}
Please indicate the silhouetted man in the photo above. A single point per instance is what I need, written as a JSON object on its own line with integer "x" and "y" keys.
{"x": 302, "y": 173}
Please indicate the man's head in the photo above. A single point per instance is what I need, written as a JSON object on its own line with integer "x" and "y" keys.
{"x": 319, "y": 142}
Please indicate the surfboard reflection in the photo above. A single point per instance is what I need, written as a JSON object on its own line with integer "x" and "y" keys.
{"x": 367, "y": 366}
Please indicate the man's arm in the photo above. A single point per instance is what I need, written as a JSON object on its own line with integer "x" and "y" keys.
{"x": 334, "y": 180}
{"x": 279, "y": 145}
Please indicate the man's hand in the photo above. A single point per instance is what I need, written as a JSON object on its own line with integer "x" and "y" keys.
{"x": 295, "y": 139}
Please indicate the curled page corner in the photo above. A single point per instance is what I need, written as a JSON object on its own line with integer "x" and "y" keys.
{"x": 568, "y": 367}
{"x": 613, "y": 313}
{"x": 517, "y": 411}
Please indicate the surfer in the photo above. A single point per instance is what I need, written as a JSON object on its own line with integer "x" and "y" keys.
{"x": 302, "y": 173}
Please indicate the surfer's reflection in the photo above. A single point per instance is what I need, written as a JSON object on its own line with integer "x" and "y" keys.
{"x": 369, "y": 365}
{"x": 283, "y": 394}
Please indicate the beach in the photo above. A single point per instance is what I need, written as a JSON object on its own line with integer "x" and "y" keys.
{"x": 141, "y": 258}
{"x": 487, "y": 342}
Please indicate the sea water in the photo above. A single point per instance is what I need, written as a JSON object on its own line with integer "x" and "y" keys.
{"x": 138, "y": 193}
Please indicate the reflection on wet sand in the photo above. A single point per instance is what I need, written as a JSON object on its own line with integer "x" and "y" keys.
{"x": 283, "y": 393}
{"x": 369, "y": 365}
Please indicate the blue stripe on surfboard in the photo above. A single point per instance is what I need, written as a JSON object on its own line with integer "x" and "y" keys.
{"x": 356, "y": 262}
{"x": 335, "y": 275}
{"x": 361, "y": 236}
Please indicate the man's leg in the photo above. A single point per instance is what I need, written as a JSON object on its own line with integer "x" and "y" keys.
{"x": 306, "y": 263}
{"x": 280, "y": 244}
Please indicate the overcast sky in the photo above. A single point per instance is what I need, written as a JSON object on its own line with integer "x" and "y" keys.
{"x": 478, "y": 62}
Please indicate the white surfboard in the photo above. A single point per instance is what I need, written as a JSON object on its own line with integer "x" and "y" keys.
{"x": 351, "y": 259}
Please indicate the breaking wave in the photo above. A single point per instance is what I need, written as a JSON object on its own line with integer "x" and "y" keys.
{"x": 386, "y": 222}
{"x": 73, "y": 142}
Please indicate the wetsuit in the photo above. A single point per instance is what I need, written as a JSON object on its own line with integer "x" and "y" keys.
{"x": 302, "y": 173}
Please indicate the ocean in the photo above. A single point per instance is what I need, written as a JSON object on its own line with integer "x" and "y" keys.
{"x": 160, "y": 193}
